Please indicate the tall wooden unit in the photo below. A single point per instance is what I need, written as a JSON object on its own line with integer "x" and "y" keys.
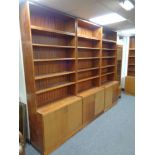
{"x": 66, "y": 60}
{"x": 131, "y": 59}
{"x": 108, "y": 56}
{"x": 130, "y": 79}
{"x": 119, "y": 62}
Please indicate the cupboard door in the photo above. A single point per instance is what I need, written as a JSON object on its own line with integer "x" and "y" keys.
{"x": 115, "y": 92}
{"x": 99, "y": 102}
{"x": 130, "y": 85}
{"x": 55, "y": 128}
{"x": 74, "y": 116}
{"x": 88, "y": 108}
{"x": 108, "y": 97}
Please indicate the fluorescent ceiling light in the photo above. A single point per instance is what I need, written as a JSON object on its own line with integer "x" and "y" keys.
{"x": 108, "y": 19}
{"x": 126, "y": 4}
{"x": 127, "y": 32}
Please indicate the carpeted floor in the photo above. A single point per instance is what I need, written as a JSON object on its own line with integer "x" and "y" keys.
{"x": 110, "y": 134}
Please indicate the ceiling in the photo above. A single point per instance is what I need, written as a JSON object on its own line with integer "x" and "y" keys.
{"x": 87, "y": 9}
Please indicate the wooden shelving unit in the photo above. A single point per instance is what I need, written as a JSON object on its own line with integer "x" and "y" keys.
{"x": 131, "y": 59}
{"x": 108, "y": 56}
{"x": 88, "y": 55}
{"x": 63, "y": 57}
{"x": 119, "y": 62}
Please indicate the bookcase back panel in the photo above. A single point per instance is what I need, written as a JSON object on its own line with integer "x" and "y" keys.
{"x": 88, "y": 43}
{"x": 131, "y": 60}
{"x": 106, "y": 62}
{"x": 88, "y": 53}
{"x": 83, "y": 64}
{"x": 110, "y": 35}
{"x": 82, "y": 86}
{"x": 107, "y": 70}
{"x": 109, "y": 45}
{"x": 54, "y": 81}
{"x": 49, "y": 53}
{"x": 85, "y": 31}
{"x": 107, "y": 78}
{"x": 131, "y": 73}
{"x": 108, "y": 53}
{"x": 48, "y": 19}
{"x": 51, "y": 96}
{"x": 131, "y": 68}
{"x": 42, "y": 68}
{"x": 87, "y": 74}
{"x": 39, "y": 37}
{"x": 131, "y": 53}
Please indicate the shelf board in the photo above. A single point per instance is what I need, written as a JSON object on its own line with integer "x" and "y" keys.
{"x": 108, "y": 73}
{"x": 131, "y": 49}
{"x": 109, "y": 41}
{"x": 84, "y": 58}
{"x": 53, "y": 87}
{"x": 108, "y": 57}
{"x": 55, "y": 46}
{"x": 89, "y": 48}
{"x": 38, "y": 28}
{"x": 131, "y": 56}
{"x": 108, "y": 66}
{"x": 54, "y": 59}
{"x": 86, "y": 37}
{"x": 131, "y": 64}
{"x": 109, "y": 49}
{"x": 88, "y": 69}
{"x": 39, "y": 77}
{"x": 86, "y": 79}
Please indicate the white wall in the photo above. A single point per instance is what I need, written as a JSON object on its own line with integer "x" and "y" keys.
{"x": 125, "y": 43}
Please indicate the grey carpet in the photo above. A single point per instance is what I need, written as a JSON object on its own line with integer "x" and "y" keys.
{"x": 110, "y": 134}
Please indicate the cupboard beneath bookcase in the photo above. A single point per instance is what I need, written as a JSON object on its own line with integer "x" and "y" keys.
{"x": 69, "y": 66}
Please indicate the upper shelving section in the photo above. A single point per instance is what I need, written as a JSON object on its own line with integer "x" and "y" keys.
{"x": 49, "y": 20}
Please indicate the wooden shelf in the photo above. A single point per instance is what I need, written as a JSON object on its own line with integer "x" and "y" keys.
{"x": 108, "y": 57}
{"x": 84, "y": 58}
{"x": 108, "y": 66}
{"x": 86, "y": 79}
{"x": 37, "y": 28}
{"x": 131, "y": 49}
{"x": 56, "y": 86}
{"x": 86, "y": 37}
{"x": 88, "y": 69}
{"x": 109, "y": 41}
{"x": 107, "y": 73}
{"x": 131, "y": 56}
{"x": 89, "y": 48}
{"x": 54, "y": 46}
{"x": 109, "y": 49}
{"x": 54, "y": 59}
{"x": 39, "y": 77}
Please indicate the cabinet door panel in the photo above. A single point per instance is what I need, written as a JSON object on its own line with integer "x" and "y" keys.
{"x": 74, "y": 116}
{"x": 108, "y": 97}
{"x": 55, "y": 127}
{"x": 88, "y": 108}
{"x": 99, "y": 102}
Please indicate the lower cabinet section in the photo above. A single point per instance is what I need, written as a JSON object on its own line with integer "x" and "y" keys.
{"x": 60, "y": 120}
{"x": 130, "y": 85}
{"x": 61, "y": 123}
{"x": 111, "y": 94}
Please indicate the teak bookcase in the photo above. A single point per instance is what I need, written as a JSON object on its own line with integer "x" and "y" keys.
{"x": 131, "y": 59}
{"x": 130, "y": 78}
{"x": 119, "y": 62}
{"x": 64, "y": 59}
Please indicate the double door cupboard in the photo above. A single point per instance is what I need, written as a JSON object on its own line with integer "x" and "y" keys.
{"x": 69, "y": 66}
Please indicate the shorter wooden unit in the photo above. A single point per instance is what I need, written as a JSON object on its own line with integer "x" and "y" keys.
{"x": 60, "y": 121}
{"x": 130, "y": 85}
{"x": 111, "y": 94}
